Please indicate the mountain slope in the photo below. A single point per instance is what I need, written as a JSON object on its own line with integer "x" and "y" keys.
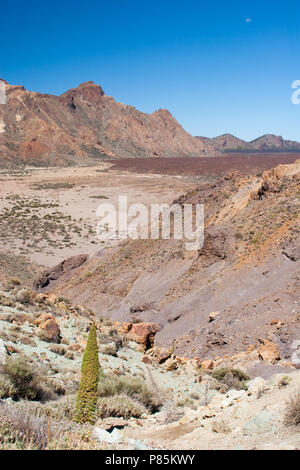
{"x": 247, "y": 273}
{"x": 84, "y": 125}
{"x": 267, "y": 142}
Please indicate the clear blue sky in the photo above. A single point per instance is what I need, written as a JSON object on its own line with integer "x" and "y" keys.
{"x": 219, "y": 66}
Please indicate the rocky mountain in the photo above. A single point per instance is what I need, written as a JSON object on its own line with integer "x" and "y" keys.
{"x": 84, "y": 125}
{"x": 265, "y": 143}
{"x": 237, "y": 292}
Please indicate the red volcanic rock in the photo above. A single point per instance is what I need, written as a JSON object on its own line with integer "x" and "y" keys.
{"x": 268, "y": 351}
{"x": 146, "y": 360}
{"x": 208, "y": 364}
{"x": 123, "y": 327}
{"x": 143, "y": 333}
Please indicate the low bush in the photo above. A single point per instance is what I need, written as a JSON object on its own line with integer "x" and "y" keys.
{"x": 24, "y": 296}
{"x": 121, "y": 406}
{"x": 232, "y": 378}
{"x": 292, "y": 412}
{"x": 134, "y": 388}
{"x": 20, "y": 379}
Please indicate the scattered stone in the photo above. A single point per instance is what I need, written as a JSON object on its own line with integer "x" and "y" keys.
{"x": 108, "y": 424}
{"x": 208, "y": 364}
{"x": 139, "y": 445}
{"x": 11, "y": 349}
{"x": 170, "y": 364}
{"x": 213, "y": 316}
{"x": 160, "y": 354}
{"x": 146, "y": 360}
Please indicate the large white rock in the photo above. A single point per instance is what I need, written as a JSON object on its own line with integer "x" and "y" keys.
{"x": 113, "y": 437}
{"x": 3, "y": 353}
{"x": 256, "y": 386}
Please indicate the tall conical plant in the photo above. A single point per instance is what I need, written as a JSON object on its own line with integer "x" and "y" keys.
{"x": 88, "y": 388}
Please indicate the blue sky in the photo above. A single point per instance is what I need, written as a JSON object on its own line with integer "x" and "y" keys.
{"x": 221, "y": 66}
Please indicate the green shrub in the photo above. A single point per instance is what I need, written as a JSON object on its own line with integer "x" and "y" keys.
{"x": 132, "y": 387}
{"x": 232, "y": 378}
{"x": 7, "y": 388}
{"x": 121, "y": 406}
{"x": 21, "y": 379}
{"x": 88, "y": 388}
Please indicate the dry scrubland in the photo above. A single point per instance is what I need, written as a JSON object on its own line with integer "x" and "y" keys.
{"x": 194, "y": 347}
{"x": 48, "y": 215}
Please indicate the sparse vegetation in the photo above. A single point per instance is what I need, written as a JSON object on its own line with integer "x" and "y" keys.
{"x": 122, "y": 406}
{"x": 134, "y": 388}
{"x": 22, "y": 380}
{"x": 232, "y": 378}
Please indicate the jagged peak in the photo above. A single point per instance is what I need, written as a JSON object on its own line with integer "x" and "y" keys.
{"x": 86, "y": 90}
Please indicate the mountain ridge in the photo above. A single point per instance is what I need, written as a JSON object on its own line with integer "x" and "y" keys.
{"x": 85, "y": 125}
{"x": 267, "y": 142}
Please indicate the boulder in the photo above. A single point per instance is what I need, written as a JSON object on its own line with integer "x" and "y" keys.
{"x": 256, "y": 386}
{"x": 268, "y": 351}
{"x": 143, "y": 333}
{"x": 208, "y": 364}
{"x": 160, "y": 354}
{"x": 170, "y": 364}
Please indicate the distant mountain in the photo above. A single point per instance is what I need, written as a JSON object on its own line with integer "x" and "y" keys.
{"x": 267, "y": 142}
{"x": 84, "y": 125}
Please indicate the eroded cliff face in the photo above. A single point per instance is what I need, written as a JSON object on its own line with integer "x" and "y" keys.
{"x": 84, "y": 125}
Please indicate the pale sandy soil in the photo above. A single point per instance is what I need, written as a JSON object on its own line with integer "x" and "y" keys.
{"x": 49, "y": 224}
